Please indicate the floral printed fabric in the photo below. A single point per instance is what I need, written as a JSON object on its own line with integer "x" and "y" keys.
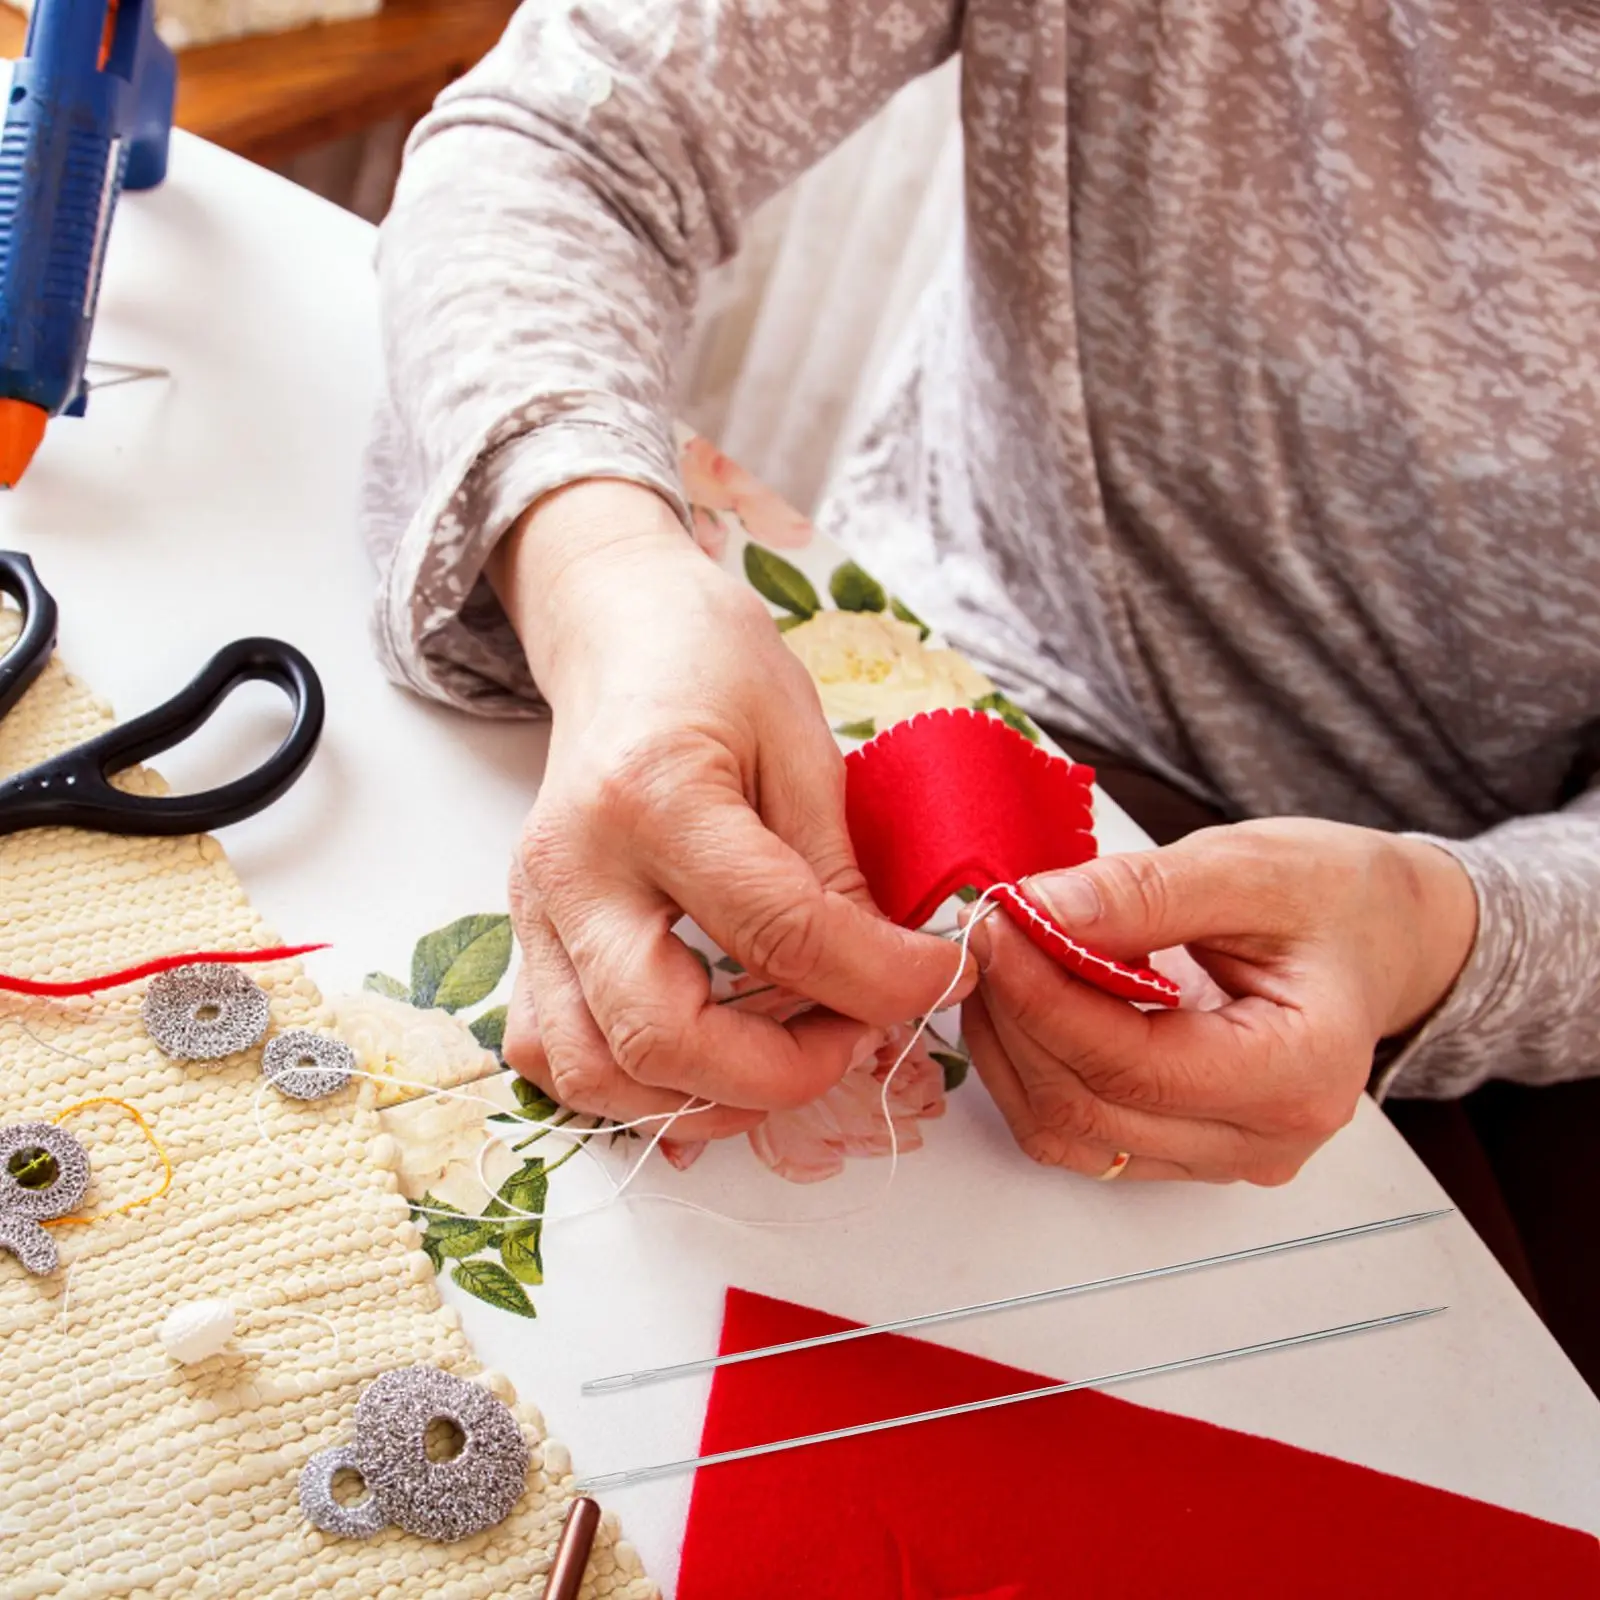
{"x": 476, "y": 1159}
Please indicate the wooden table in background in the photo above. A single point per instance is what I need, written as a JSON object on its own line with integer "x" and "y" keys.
{"x": 272, "y": 96}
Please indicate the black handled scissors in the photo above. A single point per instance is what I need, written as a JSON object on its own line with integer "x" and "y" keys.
{"x": 72, "y": 790}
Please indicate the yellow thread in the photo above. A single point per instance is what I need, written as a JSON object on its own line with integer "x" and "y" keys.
{"x": 155, "y": 1144}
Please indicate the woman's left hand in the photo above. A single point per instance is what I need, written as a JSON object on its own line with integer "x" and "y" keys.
{"x": 1322, "y": 938}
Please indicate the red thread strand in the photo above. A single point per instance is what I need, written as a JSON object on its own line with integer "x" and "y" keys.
{"x": 148, "y": 969}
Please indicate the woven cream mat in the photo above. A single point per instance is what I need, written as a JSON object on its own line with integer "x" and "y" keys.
{"x": 122, "y": 1473}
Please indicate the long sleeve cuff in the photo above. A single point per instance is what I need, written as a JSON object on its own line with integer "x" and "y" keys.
{"x": 1524, "y": 1005}
{"x": 438, "y": 626}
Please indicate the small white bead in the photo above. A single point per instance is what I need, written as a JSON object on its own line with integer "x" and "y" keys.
{"x": 197, "y": 1329}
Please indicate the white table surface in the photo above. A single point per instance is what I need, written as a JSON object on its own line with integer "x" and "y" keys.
{"x": 180, "y": 515}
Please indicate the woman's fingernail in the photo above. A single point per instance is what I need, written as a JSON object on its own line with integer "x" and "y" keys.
{"x": 684, "y": 1154}
{"x": 867, "y": 1047}
{"x": 1069, "y": 897}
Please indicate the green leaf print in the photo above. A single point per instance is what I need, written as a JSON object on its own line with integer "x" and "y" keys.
{"x": 854, "y": 589}
{"x": 786, "y": 623}
{"x": 519, "y": 1251}
{"x": 448, "y": 1232}
{"x": 954, "y": 1067}
{"x": 1012, "y": 715}
{"x": 458, "y": 1237}
{"x": 865, "y": 729}
{"x": 533, "y": 1105}
{"x": 382, "y": 983}
{"x": 525, "y": 1190}
{"x": 490, "y": 1282}
{"x": 774, "y": 579}
{"x": 906, "y": 614}
{"x": 489, "y": 1028}
{"x": 460, "y": 964}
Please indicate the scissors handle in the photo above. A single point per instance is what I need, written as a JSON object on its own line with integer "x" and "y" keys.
{"x": 72, "y": 789}
{"x": 29, "y": 651}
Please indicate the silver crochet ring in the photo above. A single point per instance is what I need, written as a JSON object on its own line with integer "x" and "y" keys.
{"x": 441, "y": 1500}
{"x": 204, "y": 1011}
{"x": 308, "y": 1065}
{"x": 22, "y": 1208}
{"x": 64, "y": 1192}
{"x": 359, "y": 1520}
{"x": 29, "y": 1243}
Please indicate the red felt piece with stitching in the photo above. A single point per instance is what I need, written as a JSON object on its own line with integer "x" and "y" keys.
{"x": 1082, "y": 1497}
{"x": 957, "y": 798}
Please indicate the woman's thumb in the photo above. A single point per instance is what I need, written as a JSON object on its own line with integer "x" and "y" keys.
{"x": 1129, "y": 905}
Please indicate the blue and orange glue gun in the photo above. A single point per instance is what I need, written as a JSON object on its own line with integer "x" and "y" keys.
{"x": 89, "y": 113}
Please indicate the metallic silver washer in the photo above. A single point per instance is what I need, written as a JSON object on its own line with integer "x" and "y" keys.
{"x": 308, "y": 1065}
{"x": 204, "y": 1011}
{"x": 358, "y": 1521}
{"x": 65, "y": 1193}
{"x": 440, "y": 1500}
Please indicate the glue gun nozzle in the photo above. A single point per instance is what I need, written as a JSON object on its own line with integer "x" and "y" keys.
{"x": 21, "y": 429}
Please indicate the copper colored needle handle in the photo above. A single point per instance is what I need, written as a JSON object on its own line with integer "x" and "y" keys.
{"x": 572, "y": 1553}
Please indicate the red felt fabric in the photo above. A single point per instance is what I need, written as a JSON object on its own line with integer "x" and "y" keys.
{"x": 952, "y": 799}
{"x": 1082, "y": 1496}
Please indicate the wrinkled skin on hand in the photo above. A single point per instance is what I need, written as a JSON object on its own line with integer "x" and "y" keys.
{"x": 1313, "y": 941}
{"x": 690, "y": 772}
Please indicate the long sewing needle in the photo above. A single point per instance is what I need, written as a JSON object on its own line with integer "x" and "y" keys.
{"x": 683, "y": 1369}
{"x": 607, "y": 1481}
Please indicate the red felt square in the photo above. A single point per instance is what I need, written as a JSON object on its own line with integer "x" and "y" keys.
{"x": 1080, "y": 1496}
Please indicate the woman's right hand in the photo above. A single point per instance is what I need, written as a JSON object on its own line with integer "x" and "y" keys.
{"x": 690, "y": 771}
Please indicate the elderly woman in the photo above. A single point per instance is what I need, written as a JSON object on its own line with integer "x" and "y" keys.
{"x": 1248, "y": 438}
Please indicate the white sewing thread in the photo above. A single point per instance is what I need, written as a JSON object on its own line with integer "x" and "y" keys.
{"x": 77, "y": 1393}
{"x": 296, "y": 1313}
{"x": 982, "y": 908}
{"x": 436, "y": 1091}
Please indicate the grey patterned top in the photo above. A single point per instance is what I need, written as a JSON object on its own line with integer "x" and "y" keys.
{"x": 1251, "y": 428}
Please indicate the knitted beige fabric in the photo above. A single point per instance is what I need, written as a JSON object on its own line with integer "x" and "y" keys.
{"x": 122, "y": 1473}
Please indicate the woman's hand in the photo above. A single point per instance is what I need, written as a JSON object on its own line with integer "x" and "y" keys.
{"x": 690, "y": 771}
{"x": 1323, "y": 939}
